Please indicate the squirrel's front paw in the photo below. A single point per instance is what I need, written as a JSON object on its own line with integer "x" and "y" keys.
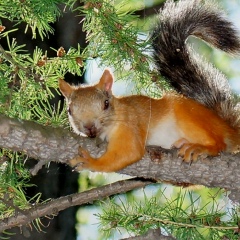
{"x": 81, "y": 161}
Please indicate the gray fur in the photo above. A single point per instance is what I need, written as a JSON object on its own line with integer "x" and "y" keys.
{"x": 185, "y": 70}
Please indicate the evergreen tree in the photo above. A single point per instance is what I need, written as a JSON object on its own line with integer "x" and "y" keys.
{"x": 33, "y": 125}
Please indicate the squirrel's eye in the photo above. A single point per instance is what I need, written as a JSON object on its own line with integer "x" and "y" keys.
{"x": 106, "y": 104}
{"x": 69, "y": 111}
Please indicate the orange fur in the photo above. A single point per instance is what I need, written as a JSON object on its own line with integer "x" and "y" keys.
{"x": 130, "y": 123}
{"x": 202, "y": 127}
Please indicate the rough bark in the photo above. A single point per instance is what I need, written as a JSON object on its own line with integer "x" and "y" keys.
{"x": 55, "y": 144}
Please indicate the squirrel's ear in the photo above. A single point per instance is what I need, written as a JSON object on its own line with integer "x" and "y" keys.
{"x": 106, "y": 81}
{"x": 65, "y": 88}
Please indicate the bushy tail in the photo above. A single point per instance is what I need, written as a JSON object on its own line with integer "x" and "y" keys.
{"x": 185, "y": 70}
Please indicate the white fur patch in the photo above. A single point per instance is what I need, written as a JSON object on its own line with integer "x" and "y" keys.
{"x": 165, "y": 134}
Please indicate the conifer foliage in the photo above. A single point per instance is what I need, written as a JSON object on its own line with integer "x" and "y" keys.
{"x": 117, "y": 37}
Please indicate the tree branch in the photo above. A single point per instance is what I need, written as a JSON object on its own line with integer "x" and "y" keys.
{"x": 54, "y": 206}
{"x": 28, "y": 72}
{"x": 55, "y": 144}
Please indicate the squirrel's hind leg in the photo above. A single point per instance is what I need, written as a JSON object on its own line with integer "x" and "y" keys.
{"x": 194, "y": 151}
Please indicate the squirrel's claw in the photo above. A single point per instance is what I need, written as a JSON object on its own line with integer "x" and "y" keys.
{"x": 83, "y": 153}
{"x": 80, "y": 162}
{"x": 192, "y": 152}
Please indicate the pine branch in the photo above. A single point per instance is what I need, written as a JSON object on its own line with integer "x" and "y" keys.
{"x": 54, "y": 206}
{"x": 55, "y": 144}
{"x": 27, "y": 70}
{"x": 36, "y": 15}
{"x": 182, "y": 216}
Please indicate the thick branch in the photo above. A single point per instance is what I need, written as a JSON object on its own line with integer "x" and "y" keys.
{"x": 60, "y": 145}
{"x": 40, "y": 142}
{"x": 53, "y": 207}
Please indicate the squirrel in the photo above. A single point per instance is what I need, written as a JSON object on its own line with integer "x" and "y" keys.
{"x": 199, "y": 118}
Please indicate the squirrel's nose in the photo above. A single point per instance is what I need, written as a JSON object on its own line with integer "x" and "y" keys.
{"x": 90, "y": 130}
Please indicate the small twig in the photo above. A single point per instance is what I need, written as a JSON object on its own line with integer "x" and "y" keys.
{"x": 57, "y": 205}
{"x": 28, "y": 72}
{"x": 9, "y": 202}
{"x": 8, "y": 57}
{"x": 188, "y": 225}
